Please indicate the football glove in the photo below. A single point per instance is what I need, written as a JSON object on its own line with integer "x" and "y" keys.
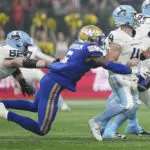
{"x": 143, "y": 83}
{"x": 48, "y": 65}
{"x": 25, "y": 88}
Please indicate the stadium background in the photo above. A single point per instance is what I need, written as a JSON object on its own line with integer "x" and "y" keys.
{"x": 54, "y": 24}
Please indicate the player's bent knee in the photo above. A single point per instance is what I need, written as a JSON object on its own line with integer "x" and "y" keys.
{"x": 43, "y": 131}
{"x": 33, "y": 107}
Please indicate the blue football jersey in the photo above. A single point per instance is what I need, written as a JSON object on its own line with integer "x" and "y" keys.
{"x": 73, "y": 66}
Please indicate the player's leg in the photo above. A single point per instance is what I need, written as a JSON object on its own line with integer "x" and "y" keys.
{"x": 145, "y": 97}
{"x": 120, "y": 119}
{"x": 126, "y": 103}
{"x": 63, "y": 105}
{"x": 110, "y": 112}
{"x": 133, "y": 126}
{"x": 38, "y": 74}
{"x": 47, "y": 109}
{"x": 23, "y": 104}
{"x": 130, "y": 113}
{"x": 112, "y": 99}
{"x": 124, "y": 98}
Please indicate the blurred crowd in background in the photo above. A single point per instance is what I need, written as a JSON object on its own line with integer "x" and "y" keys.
{"x": 54, "y": 24}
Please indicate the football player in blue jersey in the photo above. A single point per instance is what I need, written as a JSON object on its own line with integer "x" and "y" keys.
{"x": 82, "y": 55}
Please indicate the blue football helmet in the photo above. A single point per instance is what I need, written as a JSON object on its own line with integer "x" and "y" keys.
{"x": 146, "y": 8}
{"x": 124, "y": 14}
{"x": 19, "y": 40}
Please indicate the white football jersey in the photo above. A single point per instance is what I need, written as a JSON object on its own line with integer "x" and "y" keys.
{"x": 143, "y": 34}
{"x": 34, "y": 74}
{"x": 8, "y": 52}
{"x": 130, "y": 47}
{"x": 145, "y": 63}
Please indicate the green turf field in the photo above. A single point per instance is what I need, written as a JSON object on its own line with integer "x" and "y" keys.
{"x": 70, "y": 132}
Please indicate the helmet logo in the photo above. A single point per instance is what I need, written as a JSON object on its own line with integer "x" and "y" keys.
{"x": 15, "y": 35}
{"x": 121, "y": 11}
{"x": 89, "y": 32}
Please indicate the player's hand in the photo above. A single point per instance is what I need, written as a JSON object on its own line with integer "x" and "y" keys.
{"x": 25, "y": 88}
{"x": 48, "y": 65}
{"x": 133, "y": 62}
{"x": 143, "y": 83}
{"x": 56, "y": 60}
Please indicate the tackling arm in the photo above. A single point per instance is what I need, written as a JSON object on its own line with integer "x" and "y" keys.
{"x": 24, "y": 62}
{"x": 109, "y": 65}
{"x": 108, "y": 62}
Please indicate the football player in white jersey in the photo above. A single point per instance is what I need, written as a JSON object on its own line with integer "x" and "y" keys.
{"x": 133, "y": 124}
{"x": 122, "y": 48}
{"x": 8, "y": 52}
{"x": 142, "y": 34}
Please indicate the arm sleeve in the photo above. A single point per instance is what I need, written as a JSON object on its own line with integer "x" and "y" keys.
{"x": 118, "y": 68}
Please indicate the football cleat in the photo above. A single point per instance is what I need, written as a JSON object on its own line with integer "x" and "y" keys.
{"x": 119, "y": 136}
{"x": 144, "y": 133}
{"x": 108, "y": 135}
{"x": 95, "y": 129}
{"x": 65, "y": 107}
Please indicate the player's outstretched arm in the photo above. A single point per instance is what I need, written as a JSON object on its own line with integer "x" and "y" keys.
{"x": 109, "y": 65}
{"x": 25, "y": 88}
{"x": 25, "y": 63}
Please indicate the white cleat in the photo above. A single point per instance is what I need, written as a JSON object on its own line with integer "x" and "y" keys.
{"x": 3, "y": 111}
{"x": 95, "y": 129}
{"x": 65, "y": 107}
